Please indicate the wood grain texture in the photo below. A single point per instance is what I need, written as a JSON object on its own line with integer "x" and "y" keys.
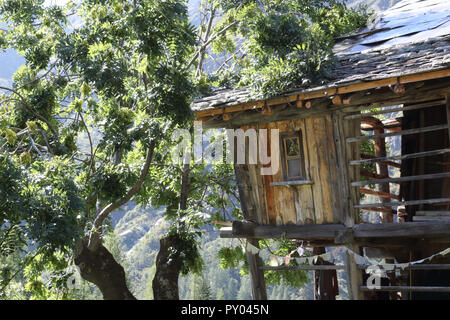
{"x": 304, "y": 198}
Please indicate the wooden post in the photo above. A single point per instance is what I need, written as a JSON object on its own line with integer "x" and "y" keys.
{"x": 325, "y": 281}
{"x": 381, "y": 168}
{"x": 447, "y": 104}
{"x": 342, "y": 129}
{"x": 354, "y": 275}
{"x": 256, "y": 273}
{"x": 248, "y": 209}
{"x": 446, "y": 182}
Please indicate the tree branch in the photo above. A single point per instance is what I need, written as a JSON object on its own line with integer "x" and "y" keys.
{"x": 26, "y": 106}
{"x": 113, "y": 206}
{"x": 207, "y": 43}
{"x": 92, "y": 162}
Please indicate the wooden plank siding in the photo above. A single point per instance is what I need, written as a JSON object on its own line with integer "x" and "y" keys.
{"x": 316, "y": 203}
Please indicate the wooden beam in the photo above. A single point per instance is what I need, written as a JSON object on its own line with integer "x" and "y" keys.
{"x": 226, "y": 232}
{"x": 400, "y": 157}
{"x": 313, "y": 267}
{"x": 417, "y": 267}
{"x": 328, "y": 92}
{"x": 267, "y": 111}
{"x": 403, "y": 203}
{"x": 245, "y": 229}
{"x": 379, "y": 193}
{"x": 292, "y": 183}
{"x": 337, "y": 99}
{"x": 447, "y": 108}
{"x": 408, "y": 288}
{"x": 399, "y": 133}
{"x": 410, "y": 107}
{"x": 385, "y": 162}
{"x": 386, "y": 210}
{"x": 258, "y": 283}
{"x": 324, "y": 105}
{"x": 364, "y": 235}
{"x": 222, "y": 223}
{"x": 369, "y": 174}
{"x": 431, "y": 218}
{"x": 354, "y": 275}
{"x": 402, "y": 179}
{"x": 402, "y": 230}
{"x": 432, "y": 213}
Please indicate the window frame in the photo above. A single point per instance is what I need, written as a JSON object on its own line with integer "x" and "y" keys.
{"x": 285, "y": 158}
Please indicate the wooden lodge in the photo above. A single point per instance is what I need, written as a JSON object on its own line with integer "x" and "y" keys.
{"x": 372, "y": 142}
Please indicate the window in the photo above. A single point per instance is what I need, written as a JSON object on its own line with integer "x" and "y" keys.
{"x": 292, "y": 156}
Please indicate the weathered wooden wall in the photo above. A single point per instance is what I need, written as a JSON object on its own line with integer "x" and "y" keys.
{"x": 321, "y": 202}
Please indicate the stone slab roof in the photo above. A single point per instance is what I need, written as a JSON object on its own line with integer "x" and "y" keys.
{"x": 412, "y": 37}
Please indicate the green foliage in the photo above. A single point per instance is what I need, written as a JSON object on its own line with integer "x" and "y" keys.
{"x": 120, "y": 72}
{"x": 120, "y": 78}
{"x": 232, "y": 258}
{"x": 185, "y": 229}
{"x": 200, "y": 289}
{"x": 286, "y": 43}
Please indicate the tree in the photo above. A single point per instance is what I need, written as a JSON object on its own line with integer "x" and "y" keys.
{"x": 118, "y": 72}
{"x": 200, "y": 290}
{"x": 272, "y": 45}
{"x": 128, "y": 72}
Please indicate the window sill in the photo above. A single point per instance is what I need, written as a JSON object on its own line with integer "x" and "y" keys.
{"x": 292, "y": 183}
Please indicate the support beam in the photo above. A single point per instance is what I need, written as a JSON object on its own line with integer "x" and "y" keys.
{"x": 379, "y": 193}
{"x": 390, "y": 110}
{"x": 354, "y": 274}
{"x": 417, "y": 267}
{"x": 364, "y": 231}
{"x": 433, "y": 213}
{"x": 332, "y": 91}
{"x": 245, "y": 229}
{"x": 408, "y": 288}
{"x": 313, "y": 267}
{"x": 384, "y": 162}
{"x": 399, "y": 133}
{"x": 402, "y": 179}
{"x": 403, "y": 203}
{"x": 402, "y": 230}
{"x": 400, "y": 157}
{"x": 255, "y": 263}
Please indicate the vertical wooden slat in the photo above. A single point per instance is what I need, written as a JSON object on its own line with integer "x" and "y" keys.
{"x": 288, "y": 202}
{"x": 278, "y": 176}
{"x": 447, "y": 105}
{"x": 381, "y": 168}
{"x": 350, "y": 196}
{"x": 262, "y": 185}
{"x": 421, "y": 161}
{"x": 354, "y": 275}
{"x": 324, "y": 168}
{"x": 319, "y": 169}
{"x": 248, "y": 205}
{"x": 255, "y": 263}
{"x": 304, "y": 200}
{"x": 333, "y": 172}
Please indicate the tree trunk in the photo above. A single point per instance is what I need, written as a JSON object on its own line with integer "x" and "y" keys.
{"x": 325, "y": 281}
{"x": 99, "y": 267}
{"x": 165, "y": 282}
{"x": 168, "y": 266}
